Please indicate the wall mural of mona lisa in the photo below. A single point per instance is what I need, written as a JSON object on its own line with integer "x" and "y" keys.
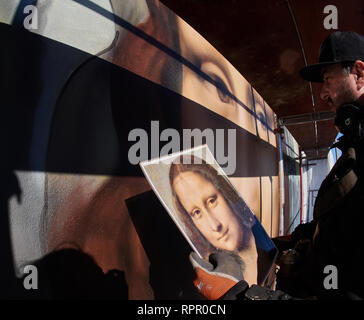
{"x": 154, "y": 67}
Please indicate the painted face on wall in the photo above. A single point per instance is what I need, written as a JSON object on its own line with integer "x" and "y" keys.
{"x": 209, "y": 210}
{"x": 228, "y": 93}
{"x": 338, "y": 88}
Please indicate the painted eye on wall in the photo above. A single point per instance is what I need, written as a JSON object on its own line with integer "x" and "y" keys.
{"x": 261, "y": 117}
{"x": 219, "y": 89}
{"x": 218, "y": 86}
{"x": 223, "y": 91}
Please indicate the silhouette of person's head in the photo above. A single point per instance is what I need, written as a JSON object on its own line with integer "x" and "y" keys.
{"x": 72, "y": 274}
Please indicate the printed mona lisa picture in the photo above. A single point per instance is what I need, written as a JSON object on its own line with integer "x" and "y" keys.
{"x": 209, "y": 211}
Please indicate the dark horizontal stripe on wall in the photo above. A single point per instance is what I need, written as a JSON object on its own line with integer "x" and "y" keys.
{"x": 291, "y": 166}
{"x": 65, "y": 115}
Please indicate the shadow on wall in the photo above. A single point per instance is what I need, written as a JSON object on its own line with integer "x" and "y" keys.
{"x": 9, "y": 187}
{"x": 171, "y": 274}
{"x": 86, "y": 107}
{"x": 71, "y": 274}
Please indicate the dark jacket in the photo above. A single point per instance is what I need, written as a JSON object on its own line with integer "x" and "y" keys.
{"x": 338, "y": 238}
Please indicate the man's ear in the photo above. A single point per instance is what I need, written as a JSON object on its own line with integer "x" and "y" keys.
{"x": 358, "y": 70}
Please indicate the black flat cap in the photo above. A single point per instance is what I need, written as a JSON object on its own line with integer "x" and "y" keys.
{"x": 336, "y": 48}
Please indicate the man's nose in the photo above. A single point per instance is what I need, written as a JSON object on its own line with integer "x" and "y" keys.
{"x": 324, "y": 94}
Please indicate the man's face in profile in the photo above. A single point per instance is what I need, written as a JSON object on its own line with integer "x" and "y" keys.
{"x": 338, "y": 87}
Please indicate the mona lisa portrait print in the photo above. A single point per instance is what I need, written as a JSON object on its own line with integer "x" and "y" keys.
{"x": 209, "y": 211}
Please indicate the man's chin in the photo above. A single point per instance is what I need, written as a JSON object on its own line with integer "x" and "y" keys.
{"x": 333, "y": 107}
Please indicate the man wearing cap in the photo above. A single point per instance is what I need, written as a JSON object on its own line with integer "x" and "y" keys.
{"x": 331, "y": 267}
{"x": 337, "y": 243}
{"x": 340, "y": 69}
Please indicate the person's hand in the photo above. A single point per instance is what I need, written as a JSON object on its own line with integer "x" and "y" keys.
{"x": 222, "y": 278}
{"x": 214, "y": 278}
